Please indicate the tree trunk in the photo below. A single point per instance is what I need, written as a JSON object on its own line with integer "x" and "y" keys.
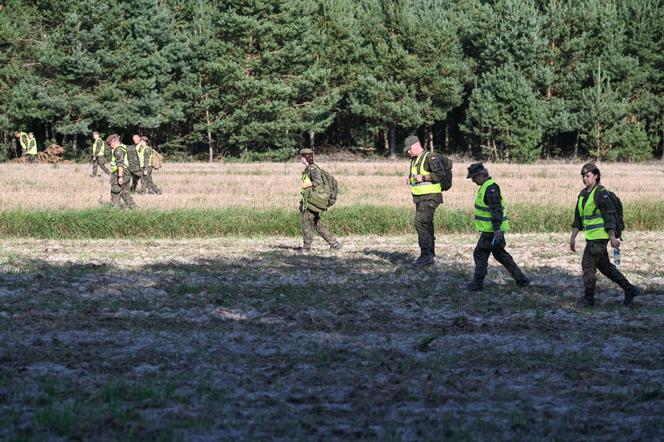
{"x": 386, "y": 142}
{"x": 447, "y": 137}
{"x": 430, "y": 138}
{"x": 312, "y": 139}
{"x": 576, "y": 145}
{"x": 14, "y": 148}
{"x": 74, "y": 145}
{"x": 393, "y": 142}
{"x": 209, "y": 136}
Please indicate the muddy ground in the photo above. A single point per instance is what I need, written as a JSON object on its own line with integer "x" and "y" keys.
{"x": 233, "y": 339}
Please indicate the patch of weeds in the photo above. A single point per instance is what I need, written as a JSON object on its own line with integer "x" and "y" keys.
{"x": 59, "y": 418}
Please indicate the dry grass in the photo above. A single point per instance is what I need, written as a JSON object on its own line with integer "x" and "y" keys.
{"x": 244, "y": 339}
{"x": 269, "y": 185}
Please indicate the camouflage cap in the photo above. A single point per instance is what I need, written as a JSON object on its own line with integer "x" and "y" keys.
{"x": 410, "y": 140}
{"x": 112, "y": 137}
{"x": 589, "y": 167}
{"x": 476, "y": 169}
{"x": 306, "y": 150}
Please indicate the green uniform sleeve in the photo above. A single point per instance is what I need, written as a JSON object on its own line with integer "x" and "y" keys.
{"x": 314, "y": 175}
{"x": 434, "y": 164}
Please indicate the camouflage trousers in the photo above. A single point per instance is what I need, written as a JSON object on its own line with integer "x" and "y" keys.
{"x": 147, "y": 183}
{"x": 121, "y": 193}
{"x": 425, "y": 209}
{"x": 101, "y": 162}
{"x": 135, "y": 177}
{"x": 484, "y": 249}
{"x": 595, "y": 257}
{"x": 310, "y": 222}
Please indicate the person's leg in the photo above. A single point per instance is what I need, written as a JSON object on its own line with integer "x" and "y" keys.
{"x": 481, "y": 258}
{"x": 503, "y": 257}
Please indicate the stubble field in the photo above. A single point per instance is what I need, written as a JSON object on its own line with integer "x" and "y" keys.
{"x": 243, "y": 338}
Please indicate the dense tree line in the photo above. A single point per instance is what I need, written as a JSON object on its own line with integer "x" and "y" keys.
{"x": 511, "y": 80}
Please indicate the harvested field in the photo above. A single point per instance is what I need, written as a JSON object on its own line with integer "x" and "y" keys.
{"x": 244, "y": 339}
{"x": 276, "y": 185}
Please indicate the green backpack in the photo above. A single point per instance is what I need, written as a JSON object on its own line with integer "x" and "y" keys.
{"x": 324, "y": 196}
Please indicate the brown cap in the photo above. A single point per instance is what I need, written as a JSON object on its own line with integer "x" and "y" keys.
{"x": 589, "y": 167}
{"x": 306, "y": 150}
{"x": 410, "y": 140}
{"x": 112, "y": 137}
{"x": 476, "y": 169}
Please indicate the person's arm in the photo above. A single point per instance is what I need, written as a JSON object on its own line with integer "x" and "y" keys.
{"x": 315, "y": 176}
{"x": 146, "y": 159}
{"x": 577, "y": 226}
{"x": 608, "y": 211}
{"x": 435, "y": 167}
{"x": 492, "y": 199}
{"x": 119, "y": 160}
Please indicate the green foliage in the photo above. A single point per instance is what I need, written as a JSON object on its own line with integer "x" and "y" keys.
{"x": 508, "y": 79}
{"x": 356, "y": 220}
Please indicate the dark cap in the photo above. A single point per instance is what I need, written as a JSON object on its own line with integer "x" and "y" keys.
{"x": 589, "y": 167}
{"x": 410, "y": 140}
{"x": 476, "y": 169}
{"x": 306, "y": 150}
{"x": 112, "y": 137}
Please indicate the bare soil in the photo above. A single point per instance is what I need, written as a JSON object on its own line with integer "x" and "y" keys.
{"x": 232, "y": 339}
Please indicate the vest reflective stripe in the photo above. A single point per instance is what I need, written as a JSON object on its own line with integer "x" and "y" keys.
{"x": 417, "y": 168}
{"x": 593, "y": 222}
{"x": 483, "y": 213}
{"x": 114, "y": 166}
{"x": 32, "y": 146}
{"x": 96, "y": 145}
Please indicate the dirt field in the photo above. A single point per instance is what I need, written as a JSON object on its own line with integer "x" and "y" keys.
{"x": 247, "y": 340}
{"x": 269, "y": 185}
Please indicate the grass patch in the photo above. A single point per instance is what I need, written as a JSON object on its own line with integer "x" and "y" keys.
{"x": 247, "y": 222}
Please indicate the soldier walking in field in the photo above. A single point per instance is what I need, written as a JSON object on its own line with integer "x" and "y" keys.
{"x": 98, "y": 157}
{"x": 426, "y": 172}
{"x": 28, "y": 145}
{"x": 134, "y": 162}
{"x": 311, "y": 179}
{"x": 595, "y": 214}
{"x": 120, "y": 178}
{"x": 492, "y": 223}
{"x": 145, "y": 158}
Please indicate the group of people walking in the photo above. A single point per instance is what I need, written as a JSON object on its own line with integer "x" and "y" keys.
{"x": 595, "y": 215}
{"x": 130, "y": 164}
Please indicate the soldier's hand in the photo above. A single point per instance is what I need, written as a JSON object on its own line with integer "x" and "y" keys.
{"x": 615, "y": 243}
{"x": 120, "y": 180}
{"x": 498, "y": 235}
{"x": 572, "y": 245}
{"x": 145, "y": 172}
{"x": 419, "y": 178}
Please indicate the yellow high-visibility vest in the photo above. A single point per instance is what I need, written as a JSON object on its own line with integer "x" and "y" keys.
{"x": 591, "y": 217}
{"x": 98, "y": 144}
{"x": 483, "y": 213}
{"x": 417, "y": 168}
{"x": 114, "y": 166}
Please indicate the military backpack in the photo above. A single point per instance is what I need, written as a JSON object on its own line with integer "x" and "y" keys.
{"x": 617, "y": 204}
{"x": 324, "y": 196}
{"x": 446, "y": 180}
{"x": 157, "y": 159}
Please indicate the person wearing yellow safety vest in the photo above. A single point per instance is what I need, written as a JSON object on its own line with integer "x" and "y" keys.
{"x": 145, "y": 159}
{"x": 134, "y": 162}
{"x": 595, "y": 214}
{"x": 120, "y": 176}
{"x": 28, "y": 145}
{"x": 312, "y": 178}
{"x": 98, "y": 157}
{"x": 426, "y": 171}
{"x": 492, "y": 222}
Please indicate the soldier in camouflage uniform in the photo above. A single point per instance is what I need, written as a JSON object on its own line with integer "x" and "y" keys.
{"x": 28, "y": 145}
{"x": 134, "y": 162}
{"x": 120, "y": 178}
{"x": 596, "y": 215}
{"x": 492, "y": 223}
{"x": 98, "y": 158}
{"x": 311, "y": 177}
{"x": 145, "y": 158}
{"x": 426, "y": 172}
